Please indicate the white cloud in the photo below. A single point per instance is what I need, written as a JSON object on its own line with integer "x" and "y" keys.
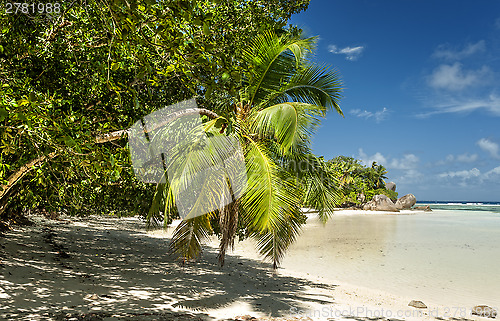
{"x": 488, "y": 146}
{"x": 464, "y": 174}
{"x": 446, "y": 52}
{"x": 463, "y": 158}
{"x": 351, "y": 53}
{"x": 490, "y": 104}
{"x": 368, "y": 160}
{"x": 378, "y": 115}
{"x": 466, "y": 158}
{"x": 460, "y": 87}
{"x": 410, "y": 176}
{"x": 405, "y": 169}
{"x": 454, "y": 77}
{"x": 492, "y": 173}
{"x": 472, "y": 176}
{"x": 409, "y": 161}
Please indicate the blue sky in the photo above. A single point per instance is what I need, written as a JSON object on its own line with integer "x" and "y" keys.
{"x": 422, "y": 91}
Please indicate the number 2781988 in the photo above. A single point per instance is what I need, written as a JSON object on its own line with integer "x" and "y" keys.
{"x": 24, "y": 7}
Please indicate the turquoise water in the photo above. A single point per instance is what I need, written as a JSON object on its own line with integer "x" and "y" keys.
{"x": 493, "y": 207}
{"x": 449, "y": 256}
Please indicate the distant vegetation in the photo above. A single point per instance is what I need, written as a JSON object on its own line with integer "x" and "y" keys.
{"x": 357, "y": 183}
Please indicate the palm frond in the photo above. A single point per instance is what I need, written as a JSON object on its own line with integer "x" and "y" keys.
{"x": 319, "y": 185}
{"x": 163, "y": 202}
{"x": 153, "y": 217}
{"x": 189, "y": 235}
{"x": 270, "y": 203}
{"x": 321, "y": 194}
{"x": 259, "y": 199}
{"x": 312, "y": 84}
{"x": 289, "y": 123}
{"x": 274, "y": 241}
{"x": 199, "y": 173}
{"x": 272, "y": 59}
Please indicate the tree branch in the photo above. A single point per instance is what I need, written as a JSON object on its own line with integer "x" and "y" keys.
{"x": 21, "y": 172}
{"x": 190, "y": 111}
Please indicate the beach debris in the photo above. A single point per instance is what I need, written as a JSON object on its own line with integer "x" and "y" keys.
{"x": 406, "y": 202}
{"x": 484, "y": 311}
{"x": 91, "y": 297}
{"x": 245, "y": 318}
{"x": 417, "y": 304}
{"x": 380, "y": 203}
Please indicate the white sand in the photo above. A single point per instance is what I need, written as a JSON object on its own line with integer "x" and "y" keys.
{"x": 57, "y": 270}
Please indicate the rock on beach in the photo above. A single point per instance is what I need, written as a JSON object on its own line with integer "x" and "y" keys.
{"x": 380, "y": 203}
{"x": 406, "y": 202}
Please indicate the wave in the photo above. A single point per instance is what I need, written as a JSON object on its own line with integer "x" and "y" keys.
{"x": 464, "y": 206}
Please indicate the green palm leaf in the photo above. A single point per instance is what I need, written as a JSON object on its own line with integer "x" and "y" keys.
{"x": 321, "y": 194}
{"x": 315, "y": 85}
{"x": 270, "y": 204}
{"x": 189, "y": 235}
{"x": 289, "y": 123}
{"x": 274, "y": 241}
{"x": 272, "y": 59}
{"x": 259, "y": 200}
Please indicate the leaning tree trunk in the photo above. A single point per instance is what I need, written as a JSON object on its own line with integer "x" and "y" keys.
{"x": 7, "y": 191}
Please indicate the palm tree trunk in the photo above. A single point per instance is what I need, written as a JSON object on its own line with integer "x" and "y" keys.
{"x": 228, "y": 222}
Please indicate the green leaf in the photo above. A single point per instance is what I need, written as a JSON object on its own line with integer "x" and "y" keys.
{"x": 3, "y": 114}
{"x": 21, "y": 116}
{"x": 115, "y": 66}
{"x": 206, "y": 29}
{"x": 169, "y": 69}
{"x": 219, "y": 122}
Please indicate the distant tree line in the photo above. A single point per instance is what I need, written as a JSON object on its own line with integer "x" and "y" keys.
{"x": 357, "y": 183}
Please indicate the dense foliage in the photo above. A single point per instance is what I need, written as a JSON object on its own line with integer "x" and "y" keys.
{"x": 358, "y": 183}
{"x": 98, "y": 66}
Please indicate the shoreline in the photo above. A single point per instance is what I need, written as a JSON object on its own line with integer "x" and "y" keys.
{"x": 369, "y": 212}
{"x": 114, "y": 266}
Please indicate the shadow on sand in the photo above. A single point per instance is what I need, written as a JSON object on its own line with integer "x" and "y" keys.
{"x": 104, "y": 268}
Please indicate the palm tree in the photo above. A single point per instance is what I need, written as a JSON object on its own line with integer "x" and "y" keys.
{"x": 273, "y": 117}
{"x": 378, "y": 173}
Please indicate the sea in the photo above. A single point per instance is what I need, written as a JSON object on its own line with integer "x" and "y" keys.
{"x": 493, "y": 207}
{"x": 449, "y": 256}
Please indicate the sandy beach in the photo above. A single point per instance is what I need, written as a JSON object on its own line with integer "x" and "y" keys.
{"x": 105, "y": 268}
